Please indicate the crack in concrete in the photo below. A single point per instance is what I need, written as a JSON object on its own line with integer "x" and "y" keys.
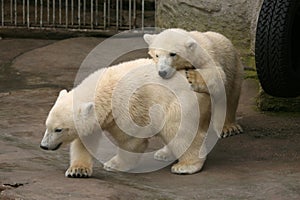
{"x": 13, "y": 185}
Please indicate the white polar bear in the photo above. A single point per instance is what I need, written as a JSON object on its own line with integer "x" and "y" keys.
{"x": 61, "y": 129}
{"x": 97, "y": 98}
{"x": 212, "y": 54}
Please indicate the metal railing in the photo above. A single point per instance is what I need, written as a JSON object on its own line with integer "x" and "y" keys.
{"x": 80, "y": 15}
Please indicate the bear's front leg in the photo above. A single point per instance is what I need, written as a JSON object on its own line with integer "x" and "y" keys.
{"x": 196, "y": 81}
{"x": 209, "y": 80}
{"x": 81, "y": 161}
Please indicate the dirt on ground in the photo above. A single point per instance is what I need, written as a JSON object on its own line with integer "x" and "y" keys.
{"x": 262, "y": 163}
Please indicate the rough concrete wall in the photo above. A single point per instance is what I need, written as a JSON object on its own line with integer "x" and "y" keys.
{"x": 236, "y": 19}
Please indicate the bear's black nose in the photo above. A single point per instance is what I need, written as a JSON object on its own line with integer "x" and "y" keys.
{"x": 162, "y": 74}
{"x": 43, "y": 147}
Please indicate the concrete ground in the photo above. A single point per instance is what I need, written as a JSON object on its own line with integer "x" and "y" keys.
{"x": 263, "y": 163}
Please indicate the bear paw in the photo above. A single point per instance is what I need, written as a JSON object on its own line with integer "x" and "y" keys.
{"x": 196, "y": 81}
{"x": 164, "y": 154}
{"x": 231, "y": 130}
{"x": 79, "y": 172}
{"x": 115, "y": 164}
{"x": 185, "y": 168}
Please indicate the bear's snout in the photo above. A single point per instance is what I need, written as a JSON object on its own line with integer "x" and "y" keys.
{"x": 50, "y": 148}
{"x": 162, "y": 74}
{"x": 44, "y": 147}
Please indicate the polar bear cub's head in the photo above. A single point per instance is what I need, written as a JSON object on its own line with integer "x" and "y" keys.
{"x": 63, "y": 121}
{"x": 171, "y": 50}
{"x": 60, "y": 126}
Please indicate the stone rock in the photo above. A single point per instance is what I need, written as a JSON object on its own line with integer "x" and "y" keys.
{"x": 210, "y": 7}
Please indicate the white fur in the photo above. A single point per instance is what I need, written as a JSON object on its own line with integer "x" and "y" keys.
{"x": 78, "y": 107}
{"x": 215, "y": 58}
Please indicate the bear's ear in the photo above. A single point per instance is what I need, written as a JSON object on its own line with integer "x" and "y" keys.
{"x": 87, "y": 109}
{"x": 149, "y": 38}
{"x": 62, "y": 93}
{"x": 191, "y": 44}
{"x": 151, "y": 53}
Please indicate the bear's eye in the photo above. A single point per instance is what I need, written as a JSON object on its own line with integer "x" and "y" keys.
{"x": 156, "y": 55}
{"x": 172, "y": 54}
{"x": 58, "y": 130}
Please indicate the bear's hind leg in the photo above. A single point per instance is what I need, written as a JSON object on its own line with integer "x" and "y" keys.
{"x": 231, "y": 129}
{"x": 128, "y": 155}
{"x": 188, "y": 166}
{"x": 164, "y": 154}
{"x": 189, "y": 162}
{"x": 81, "y": 161}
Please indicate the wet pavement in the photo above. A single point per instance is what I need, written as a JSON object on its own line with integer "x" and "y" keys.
{"x": 263, "y": 163}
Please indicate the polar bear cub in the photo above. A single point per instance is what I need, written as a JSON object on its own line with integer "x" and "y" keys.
{"x": 100, "y": 98}
{"x": 213, "y": 56}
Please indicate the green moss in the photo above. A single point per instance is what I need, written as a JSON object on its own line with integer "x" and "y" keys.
{"x": 250, "y": 74}
{"x": 266, "y": 102}
{"x": 248, "y": 60}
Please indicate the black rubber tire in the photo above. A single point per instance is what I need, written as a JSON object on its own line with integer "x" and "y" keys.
{"x": 277, "y": 47}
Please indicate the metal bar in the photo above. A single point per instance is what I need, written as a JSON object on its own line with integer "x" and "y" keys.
{"x": 72, "y": 12}
{"x": 53, "y": 9}
{"x": 28, "y": 15}
{"x": 59, "y": 14}
{"x": 108, "y": 13}
{"x": 97, "y": 13}
{"x": 23, "y": 11}
{"x": 121, "y": 12}
{"x": 11, "y": 11}
{"x": 104, "y": 14}
{"x": 41, "y": 14}
{"x": 41, "y": 10}
{"x": 48, "y": 11}
{"x": 143, "y": 13}
{"x": 84, "y": 11}
{"x": 155, "y": 5}
{"x": 35, "y": 11}
{"x": 79, "y": 17}
{"x": 117, "y": 14}
{"x": 67, "y": 13}
{"x": 134, "y": 13}
{"x": 2, "y": 12}
{"x": 92, "y": 14}
{"x": 16, "y": 13}
{"x": 129, "y": 14}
